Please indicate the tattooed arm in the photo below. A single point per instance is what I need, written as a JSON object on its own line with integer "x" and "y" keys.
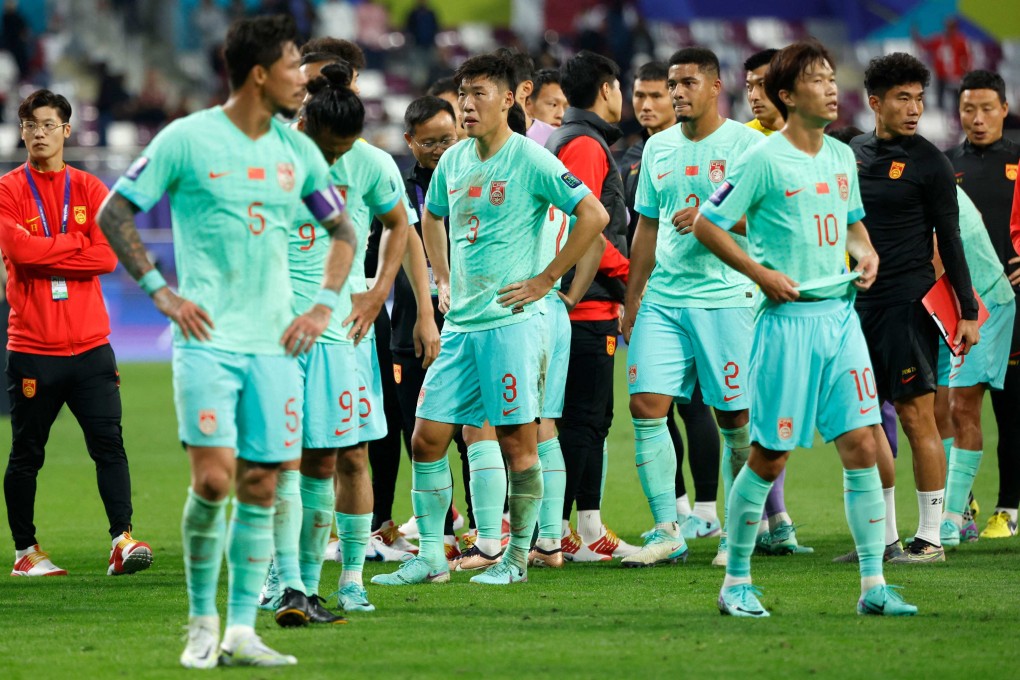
{"x": 117, "y": 220}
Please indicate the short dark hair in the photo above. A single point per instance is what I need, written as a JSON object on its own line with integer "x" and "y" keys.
{"x": 424, "y": 109}
{"x": 318, "y": 57}
{"x": 516, "y": 119}
{"x": 344, "y": 49}
{"x": 491, "y": 66}
{"x": 333, "y": 106}
{"x": 257, "y": 41}
{"x": 442, "y": 86}
{"x": 583, "y": 75}
{"x": 899, "y": 68}
{"x": 788, "y": 65}
{"x": 546, "y": 76}
{"x": 759, "y": 59}
{"x": 984, "y": 80}
{"x": 702, "y": 57}
{"x": 521, "y": 65}
{"x": 41, "y": 98}
{"x": 653, "y": 70}
{"x": 845, "y": 133}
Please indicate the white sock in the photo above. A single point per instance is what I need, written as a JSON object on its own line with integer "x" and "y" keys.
{"x": 730, "y": 581}
{"x": 892, "y": 535}
{"x": 869, "y": 582}
{"x": 566, "y": 528}
{"x": 929, "y": 508}
{"x": 589, "y": 525}
{"x": 671, "y": 528}
{"x": 763, "y": 527}
{"x": 683, "y": 506}
{"x": 489, "y": 546}
{"x": 349, "y": 576}
{"x": 115, "y": 541}
{"x": 18, "y": 554}
{"x": 706, "y": 511}
{"x": 955, "y": 518}
{"x": 1009, "y": 511}
{"x": 547, "y": 544}
{"x": 235, "y": 634}
{"x": 777, "y": 519}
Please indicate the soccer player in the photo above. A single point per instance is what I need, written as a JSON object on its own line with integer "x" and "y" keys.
{"x": 524, "y": 75}
{"x": 654, "y": 108}
{"x": 767, "y": 118}
{"x": 969, "y": 377}
{"x": 446, "y": 89}
{"x": 235, "y": 176}
{"x": 591, "y": 83}
{"x": 985, "y": 165}
{"x": 809, "y": 363}
{"x": 496, "y": 189}
{"x": 907, "y": 186}
{"x": 693, "y": 323}
{"x": 370, "y": 181}
{"x": 59, "y": 351}
{"x": 547, "y": 102}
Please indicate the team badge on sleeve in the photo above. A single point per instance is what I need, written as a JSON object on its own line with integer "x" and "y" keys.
{"x": 716, "y": 171}
{"x": 207, "y": 421}
{"x": 421, "y": 397}
{"x": 571, "y": 181}
{"x": 497, "y": 193}
{"x": 1011, "y": 171}
{"x": 896, "y": 170}
{"x": 785, "y": 428}
{"x": 28, "y": 387}
{"x": 632, "y": 374}
{"x": 843, "y": 182}
{"x": 285, "y": 175}
{"x": 79, "y": 214}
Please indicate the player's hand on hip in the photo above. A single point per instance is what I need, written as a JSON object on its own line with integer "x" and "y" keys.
{"x": 364, "y": 311}
{"x": 683, "y": 220}
{"x": 303, "y": 331}
{"x": 518, "y": 294}
{"x": 426, "y": 339}
{"x": 777, "y": 286}
{"x": 868, "y": 268}
{"x": 1014, "y": 278}
{"x": 968, "y": 334}
{"x": 444, "y": 297}
{"x": 193, "y": 321}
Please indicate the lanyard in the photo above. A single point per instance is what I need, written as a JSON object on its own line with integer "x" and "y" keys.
{"x": 39, "y": 203}
{"x": 421, "y": 201}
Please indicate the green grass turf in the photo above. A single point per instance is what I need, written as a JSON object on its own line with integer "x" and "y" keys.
{"x": 590, "y": 620}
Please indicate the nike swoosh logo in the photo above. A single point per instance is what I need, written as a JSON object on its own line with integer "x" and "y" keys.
{"x": 340, "y": 433}
{"x": 906, "y": 380}
{"x": 255, "y": 561}
{"x": 701, "y": 535}
{"x": 1014, "y": 355}
{"x": 322, "y": 526}
{"x": 432, "y": 576}
{"x": 453, "y": 191}
{"x": 217, "y": 175}
{"x": 635, "y": 166}
{"x": 736, "y": 396}
{"x": 291, "y": 443}
{"x": 864, "y": 411}
{"x": 752, "y": 523}
{"x": 507, "y": 412}
{"x": 953, "y": 375}
{"x": 664, "y": 174}
{"x": 794, "y": 192}
{"x": 959, "y": 174}
{"x": 876, "y": 521}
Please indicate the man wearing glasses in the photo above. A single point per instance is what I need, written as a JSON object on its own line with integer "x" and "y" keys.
{"x": 58, "y": 340}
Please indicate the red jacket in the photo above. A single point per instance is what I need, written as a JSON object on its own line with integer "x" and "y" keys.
{"x": 38, "y": 323}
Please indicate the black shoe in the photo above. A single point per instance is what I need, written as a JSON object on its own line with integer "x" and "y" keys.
{"x": 293, "y": 610}
{"x": 317, "y": 612}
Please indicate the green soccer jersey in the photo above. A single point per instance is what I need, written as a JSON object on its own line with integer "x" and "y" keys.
{"x": 989, "y": 280}
{"x": 677, "y": 173}
{"x": 233, "y": 201}
{"x": 498, "y": 209}
{"x": 797, "y": 206}
{"x": 552, "y": 237}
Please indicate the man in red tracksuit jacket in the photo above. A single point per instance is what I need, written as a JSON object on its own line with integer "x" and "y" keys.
{"x": 58, "y": 352}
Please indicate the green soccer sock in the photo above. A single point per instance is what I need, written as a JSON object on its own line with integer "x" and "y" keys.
{"x": 354, "y": 532}
{"x": 554, "y": 484}
{"x": 865, "y": 513}
{"x": 317, "y": 501}
{"x": 287, "y": 529}
{"x": 487, "y": 480}
{"x": 656, "y": 467}
{"x": 963, "y": 468}
{"x": 525, "y": 498}
{"x": 431, "y": 493}
{"x": 249, "y": 551}
{"x": 947, "y": 446}
{"x": 747, "y": 500}
{"x": 204, "y": 529}
{"x": 726, "y": 470}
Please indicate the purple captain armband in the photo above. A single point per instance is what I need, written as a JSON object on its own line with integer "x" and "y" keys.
{"x": 324, "y": 204}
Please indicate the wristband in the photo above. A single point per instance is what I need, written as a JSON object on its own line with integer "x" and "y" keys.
{"x": 327, "y": 298}
{"x": 152, "y": 281}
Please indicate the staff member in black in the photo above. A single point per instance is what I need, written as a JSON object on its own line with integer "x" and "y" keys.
{"x": 908, "y": 188}
{"x": 986, "y": 168}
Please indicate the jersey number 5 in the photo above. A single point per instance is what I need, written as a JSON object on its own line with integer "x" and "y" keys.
{"x": 256, "y": 215}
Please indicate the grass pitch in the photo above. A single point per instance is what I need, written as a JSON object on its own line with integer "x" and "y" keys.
{"x": 584, "y": 621}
